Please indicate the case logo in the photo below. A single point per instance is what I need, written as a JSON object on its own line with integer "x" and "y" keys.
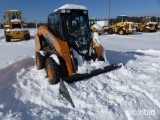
{"x": 49, "y": 37}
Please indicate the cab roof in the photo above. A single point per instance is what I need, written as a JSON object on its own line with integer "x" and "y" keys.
{"x": 72, "y": 6}
{"x": 12, "y": 11}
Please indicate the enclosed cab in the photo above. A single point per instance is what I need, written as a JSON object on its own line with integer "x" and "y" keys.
{"x": 72, "y": 26}
{"x": 122, "y": 26}
{"x": 146, "y": 25}
{"x": 13, "y": 25}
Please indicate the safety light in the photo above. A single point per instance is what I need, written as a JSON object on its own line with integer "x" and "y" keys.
{"x": 85, "y": 11}
{"x": 68, "y": 11}
{"x": 63, "y": 11}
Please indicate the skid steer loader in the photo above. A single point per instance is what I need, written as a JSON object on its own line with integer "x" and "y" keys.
{"x": 13, "y": 25}
{"x": 65, "y": 44}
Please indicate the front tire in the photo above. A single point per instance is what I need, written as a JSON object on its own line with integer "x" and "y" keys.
{"x": 146, "y": 30}
{"x": 8, "y": 38}
{"x": 27, "y": 37}
{"x": 52, "y": 70}
{"x": 121, "y": 32}
{"x": 110, "y": 31}
{"x": 40, "y": 61}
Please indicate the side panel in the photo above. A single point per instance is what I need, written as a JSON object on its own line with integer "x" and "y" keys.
{"x": 60, "y": 46}
{"x": 37, "y": 42}
{"x": 98, "y": 48}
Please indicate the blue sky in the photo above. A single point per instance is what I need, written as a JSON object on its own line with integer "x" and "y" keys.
{"x": 39, "y": 9}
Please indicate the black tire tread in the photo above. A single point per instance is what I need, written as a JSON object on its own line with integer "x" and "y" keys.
{"x": 42, "y": 60}
{"x": 55, "y": 70}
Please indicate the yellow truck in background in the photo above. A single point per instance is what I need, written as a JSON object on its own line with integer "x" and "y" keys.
{"x": 146, "y": 25}
{"x": 122, "y": 26}
{"x": 13, "y": 24}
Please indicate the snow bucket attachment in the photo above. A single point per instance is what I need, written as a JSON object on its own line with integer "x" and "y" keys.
{"x": 78, "y": 77}
{"x": 63, "y": 90}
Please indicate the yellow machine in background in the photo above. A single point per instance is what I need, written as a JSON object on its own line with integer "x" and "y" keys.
{"x": 94, "y": 26}
{"x": 122, "y": 26}
{"x": 146, "y": 25}
{"x": 13, "y": 25}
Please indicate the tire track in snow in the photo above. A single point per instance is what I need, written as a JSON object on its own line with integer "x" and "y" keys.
{"x": 2, "y": 37}
{"x": 8, "y": 74}
{"x": 155, "y": 101}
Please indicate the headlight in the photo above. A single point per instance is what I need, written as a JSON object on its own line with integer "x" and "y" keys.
{"x": 85, "y": 12}
{"x": 62, "y": 11}
{"x": 65, "y": 11}
{"x": 68, "y": 11}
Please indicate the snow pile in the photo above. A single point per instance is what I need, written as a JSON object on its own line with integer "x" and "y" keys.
{"x": 1, "y": 33}
{"x": 88, "y": 66}
{"x": 129, "y": 93}
{"x": 97, "y": 26}
{"x": 16, "y": 20}
{"x": 73, "y": 6}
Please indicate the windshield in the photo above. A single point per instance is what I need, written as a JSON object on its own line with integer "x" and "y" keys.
{"x": 120, "y": 18}
{"x": 145, "y": 20}
{"x": 76, "y": 29}
{"x": 92, "y": 22}
{"x": 14, "y": 16}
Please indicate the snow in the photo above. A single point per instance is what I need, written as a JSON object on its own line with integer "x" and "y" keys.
{"x": 97, "y": 26}
{"x": 72, "y": 6}
{"x": 16, "y": 20}
{"x": 55, "y": 58}
{"x": 129, "y": 93}
{"x": 151, "y": 23}
{"x": 18, "y": 29}
{"x": 13, "y": 10}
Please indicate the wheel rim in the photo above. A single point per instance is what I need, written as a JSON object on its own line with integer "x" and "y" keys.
{"x": 121, "y": 32}
{"x": 49, "y": 71}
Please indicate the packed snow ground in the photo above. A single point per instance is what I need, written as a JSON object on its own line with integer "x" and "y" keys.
{"x": 131, "y": 92}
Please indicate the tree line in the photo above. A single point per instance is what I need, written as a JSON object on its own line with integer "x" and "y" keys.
{"x": 136, "y": 19}
{"x": 112, "y": 21}
{"x": 29, "y": 25}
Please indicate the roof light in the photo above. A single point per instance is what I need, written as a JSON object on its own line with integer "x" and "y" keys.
{"x": 85, "y": 11}
{"x": 63, "y": 11}
{"x": 68, "y": 11}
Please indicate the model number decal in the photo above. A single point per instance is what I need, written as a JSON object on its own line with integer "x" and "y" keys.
{"x": 49, "y": 37}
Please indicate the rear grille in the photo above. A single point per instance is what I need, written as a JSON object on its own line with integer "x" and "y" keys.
{"x": 131, "y": 26}
{"x": 16, "y": 26}
{"x": 151, "y": 25}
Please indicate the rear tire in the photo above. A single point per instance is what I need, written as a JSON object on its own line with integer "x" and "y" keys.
{"x": 8, "y": 38}
{"x": 40, "y": 61}
{"x": 27, "y": 37}
{"x": 52, "y": 70}
{"x": 110, "y": 31}
{"x": 146, "y": 30}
